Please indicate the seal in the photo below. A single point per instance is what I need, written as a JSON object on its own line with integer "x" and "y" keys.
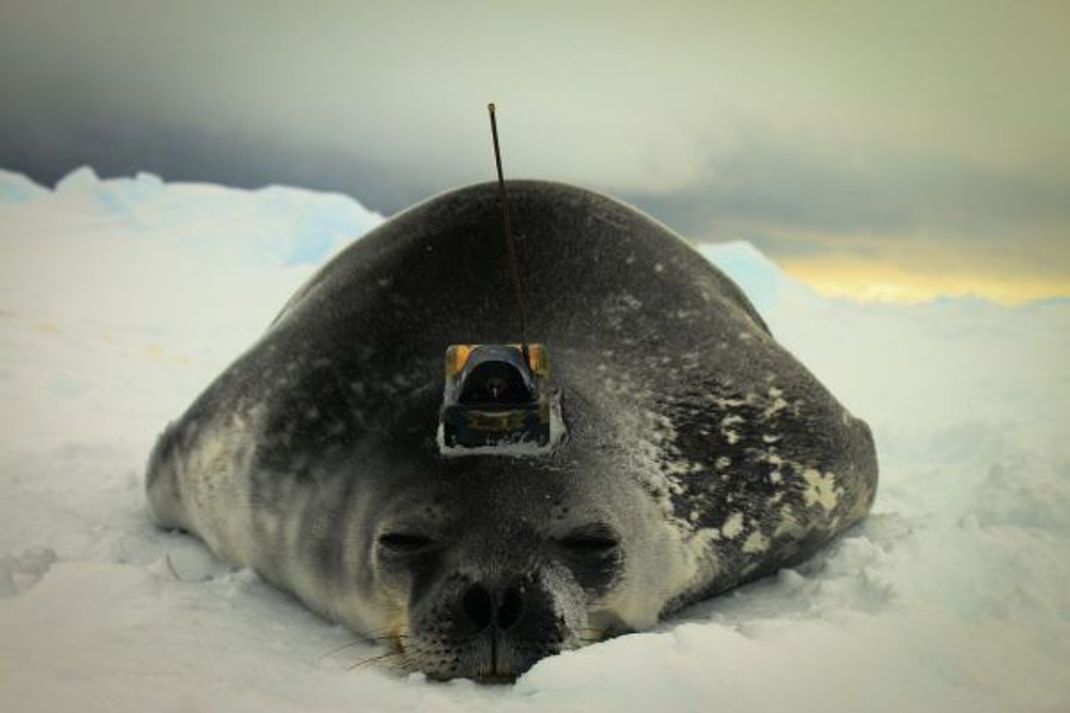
{"x": 699, "y": 453}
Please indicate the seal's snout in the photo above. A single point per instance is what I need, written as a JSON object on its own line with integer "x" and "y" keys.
{"x": 488, "y": 629}
{"x": 498, "y": 607}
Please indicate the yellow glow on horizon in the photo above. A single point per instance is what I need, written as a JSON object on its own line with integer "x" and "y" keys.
{"x": 883, "y": 282}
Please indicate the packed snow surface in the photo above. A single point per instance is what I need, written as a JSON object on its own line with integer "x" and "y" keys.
{"x": 121, "y": 299}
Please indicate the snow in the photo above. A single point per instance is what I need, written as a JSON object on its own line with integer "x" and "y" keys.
{"x": 121, "y": 298}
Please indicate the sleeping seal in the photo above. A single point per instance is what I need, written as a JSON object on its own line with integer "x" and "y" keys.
{"x": 699, "y": 453}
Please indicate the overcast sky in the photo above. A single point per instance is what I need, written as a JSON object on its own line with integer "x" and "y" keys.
{"x": 895, "y": 148}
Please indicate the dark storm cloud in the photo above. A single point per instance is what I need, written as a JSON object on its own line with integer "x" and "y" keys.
{"x": 119, "y": 148}
{"x": 767, "y": 192}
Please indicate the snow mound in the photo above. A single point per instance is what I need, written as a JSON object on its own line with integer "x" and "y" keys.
{"x": 16, "y": 188}
{"x": 121, "y": 298}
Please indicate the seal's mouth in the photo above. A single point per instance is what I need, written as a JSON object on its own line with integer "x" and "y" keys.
{"x": 496, "y": 678}
{"x": 490, "y": 658}
{"x": 486, "y": 659}
{"x": 498, "y": 665}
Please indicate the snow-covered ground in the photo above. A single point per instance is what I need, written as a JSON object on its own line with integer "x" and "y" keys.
{"x": 121, "y": 299}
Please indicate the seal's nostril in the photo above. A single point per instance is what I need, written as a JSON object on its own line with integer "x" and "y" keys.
{"x": 512, "y": 607}
{"x": 478, "y": 606}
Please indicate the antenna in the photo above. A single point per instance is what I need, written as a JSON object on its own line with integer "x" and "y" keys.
{"x": 508, "y": 228}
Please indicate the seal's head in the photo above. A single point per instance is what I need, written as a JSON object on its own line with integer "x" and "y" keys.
{"x": 487, "y": 564}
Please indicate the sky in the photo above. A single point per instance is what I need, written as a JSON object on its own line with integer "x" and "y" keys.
{"x": 897, "y": 151}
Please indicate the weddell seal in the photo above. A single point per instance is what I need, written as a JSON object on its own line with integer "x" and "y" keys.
{"x": 698, "y": 454}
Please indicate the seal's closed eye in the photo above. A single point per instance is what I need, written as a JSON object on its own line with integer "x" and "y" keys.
{"x": 405, "y": 542}
{"x": 590, "y": 539}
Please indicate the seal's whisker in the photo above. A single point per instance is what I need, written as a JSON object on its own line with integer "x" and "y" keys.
{"x": 408, "y": 661}
{"x": 373, "y": 659}
{"x": 341, "y": 648}
{"x": 392, "y": 639}
{"x": 387, "y": 633}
